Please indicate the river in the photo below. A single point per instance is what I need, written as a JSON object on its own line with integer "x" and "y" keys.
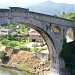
{"x": 9, "y": 71}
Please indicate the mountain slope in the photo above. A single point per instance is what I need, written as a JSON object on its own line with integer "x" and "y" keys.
{"x": 49, "y": 7}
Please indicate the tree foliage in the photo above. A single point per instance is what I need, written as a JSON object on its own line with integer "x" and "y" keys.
{"x": 12, "y": 44}
{"x": 70, "y": 16}
{"x": 68, "y": 55}
{"x": 5, "y": 42}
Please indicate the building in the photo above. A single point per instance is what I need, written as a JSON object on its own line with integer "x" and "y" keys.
{"x": 4, "y": 31}
{"x": 34, "y": 36}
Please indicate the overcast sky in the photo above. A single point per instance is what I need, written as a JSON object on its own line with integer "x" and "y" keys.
{"x": 25, "y": 3}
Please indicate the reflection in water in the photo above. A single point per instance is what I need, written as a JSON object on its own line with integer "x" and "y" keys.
{"x": 8, "y": 71}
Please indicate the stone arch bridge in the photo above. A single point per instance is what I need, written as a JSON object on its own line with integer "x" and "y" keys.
{"x": 52, "y": 29}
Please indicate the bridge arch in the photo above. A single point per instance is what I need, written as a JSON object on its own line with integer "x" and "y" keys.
{"x": 53, "y": 54}
{"x": 48, "y": 39}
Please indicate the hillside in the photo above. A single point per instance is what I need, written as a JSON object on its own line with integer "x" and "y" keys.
{"x": 52, "y": 8}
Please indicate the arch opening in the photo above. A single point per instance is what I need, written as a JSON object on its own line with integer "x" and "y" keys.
{"x": 56, "y": 29}
{"x": 53, "y": 54}
{"x": 49, "y": 42}
{"x": 69, "y": 35}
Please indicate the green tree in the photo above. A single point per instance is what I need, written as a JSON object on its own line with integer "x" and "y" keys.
{"x": 9, "y": 36}
{"x": 68, "y": 55}
{"x": 63, "y": 13}
{"x": 12, "y": 44}
{"x": 5, "y": 42}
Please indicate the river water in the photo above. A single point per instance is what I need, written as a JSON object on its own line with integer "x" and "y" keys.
{"x": 9, "y": 71}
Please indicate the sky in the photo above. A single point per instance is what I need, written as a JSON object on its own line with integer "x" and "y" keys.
{"x": 9, "y": 3}
{"x": 64, "y": 1}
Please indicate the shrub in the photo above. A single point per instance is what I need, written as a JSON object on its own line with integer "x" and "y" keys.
{"x": 12, "y": 44}
{"x": 2, "y": 55}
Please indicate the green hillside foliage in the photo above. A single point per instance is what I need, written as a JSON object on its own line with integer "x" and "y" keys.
{"x": 70, "y": 16}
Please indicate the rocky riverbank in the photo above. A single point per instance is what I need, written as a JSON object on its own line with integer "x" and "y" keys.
{"x": 29, "y": 62}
